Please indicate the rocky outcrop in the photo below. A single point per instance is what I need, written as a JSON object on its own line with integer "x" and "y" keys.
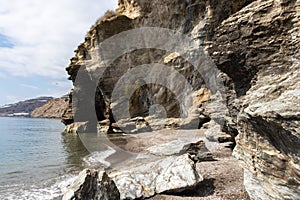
{"x": 52, "y": 109}
{"x": 92, "y": 184}
{"x": 197, "y": 18}
{"x": 254, "y": 45}
{"x": 258, "y": 48}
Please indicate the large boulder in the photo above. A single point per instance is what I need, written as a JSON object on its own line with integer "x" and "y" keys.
{"x": 142, "y": 180}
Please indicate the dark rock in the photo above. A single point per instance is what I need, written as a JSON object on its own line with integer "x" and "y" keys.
{"x": 92, "y": 185}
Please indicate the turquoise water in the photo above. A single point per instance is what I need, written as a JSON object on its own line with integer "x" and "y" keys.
{"x": 36, "y": 159}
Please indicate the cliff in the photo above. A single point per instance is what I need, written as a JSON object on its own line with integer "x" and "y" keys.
{"x": 249, "y": 55}
{"x": 52, "y": 109}
{"x": 258, "y": 48}
{"x": 198, "y": 19}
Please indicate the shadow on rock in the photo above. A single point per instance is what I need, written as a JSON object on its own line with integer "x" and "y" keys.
{"x": 202, "y": 189}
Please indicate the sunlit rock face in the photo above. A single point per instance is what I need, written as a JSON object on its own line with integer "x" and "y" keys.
{"x": 258, "y": 48}
{"x": 197, "y": 19}
{"x": 254, "y": 45}
{"x": 52, "y": 109}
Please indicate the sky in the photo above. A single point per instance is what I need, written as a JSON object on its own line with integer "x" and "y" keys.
{"x": 37, "y": 40}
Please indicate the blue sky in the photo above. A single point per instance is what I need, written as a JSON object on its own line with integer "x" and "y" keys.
{"x": 37, "y": 40}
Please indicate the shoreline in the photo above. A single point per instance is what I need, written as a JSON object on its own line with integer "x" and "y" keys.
{"x": 223, "y": 176}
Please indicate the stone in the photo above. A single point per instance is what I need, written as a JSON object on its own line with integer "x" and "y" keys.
{"x": 196, "y": 149}
{"x": 142, "y": 180}
{"x": 254, "y": 44}
{"x": 54, "y": 108}
{"x": 175, "y": 147}
{"x": 76, "y": 127}
{"x": 132, "y": 126}
{"x": 199, "y": 152}
{"x": 92, "y": 185}
{"x": 182, "y": 16}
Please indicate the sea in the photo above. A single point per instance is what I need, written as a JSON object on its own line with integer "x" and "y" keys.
{"x": 37, "y": 160}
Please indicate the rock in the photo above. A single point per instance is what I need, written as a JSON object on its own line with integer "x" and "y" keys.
{"x": 92, "y": 185}
{"x": 133, "y": 126}
{"x": 175, "y": 147}
{"x": 182, "y": 16}
{"x": 214, "y": 133}
{"x": 67, "y": 116}
{"x": 78, "y": 127}
{"x": 143, "y": 180}
{"x": 52, "y": 109}
{"x": 199, "y": 152}
{"x": 258, "y": 48}
{"x": 196, "y": 149}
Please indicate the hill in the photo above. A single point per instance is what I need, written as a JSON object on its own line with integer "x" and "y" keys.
{"x": 23, "y": 108}
{"x": 52, "y": 109}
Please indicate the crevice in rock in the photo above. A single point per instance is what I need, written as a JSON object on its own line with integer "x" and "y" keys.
{"x": 202, "y": 121}
{"x": 282, "y": 139}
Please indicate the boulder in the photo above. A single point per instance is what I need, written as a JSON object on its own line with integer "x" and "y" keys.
{"x": 197, "y": 150}
{"x": 142, "y": 180}
{"x": 92, "y": 185}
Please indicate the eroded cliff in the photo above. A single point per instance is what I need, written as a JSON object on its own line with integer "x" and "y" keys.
{"x": 255, "y": 46}
{"x": 52, "y": 109}
{"x": 197, "y": 19}
{"x": 258, "y": 48}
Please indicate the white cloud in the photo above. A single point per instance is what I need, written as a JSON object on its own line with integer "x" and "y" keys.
{"x": 45, "y": 33}
{"x": 29, "y": 86}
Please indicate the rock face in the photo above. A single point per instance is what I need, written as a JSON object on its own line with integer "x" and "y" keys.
{"x": 258, "y": 48}
{"x": 167, "y": 174}
{"x": 197, "y": 18}
{"x": 92, "y": 184}
{"x": 254, "y": 44}
{"x": 52, "y": 109}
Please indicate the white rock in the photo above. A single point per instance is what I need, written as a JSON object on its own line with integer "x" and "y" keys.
{"x": 146, "y": 179}
{"x": 92, "y": 184}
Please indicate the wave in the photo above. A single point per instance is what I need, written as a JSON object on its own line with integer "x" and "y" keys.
{"x": 99, "y": 157}
{"x": 49, "y": 190}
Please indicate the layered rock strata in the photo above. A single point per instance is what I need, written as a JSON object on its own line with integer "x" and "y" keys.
{"x": 52, "y": 109}
{"x": 254, "y": 44}
{"x": 258, "y": 48}
{"x": 195, "y": 18}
